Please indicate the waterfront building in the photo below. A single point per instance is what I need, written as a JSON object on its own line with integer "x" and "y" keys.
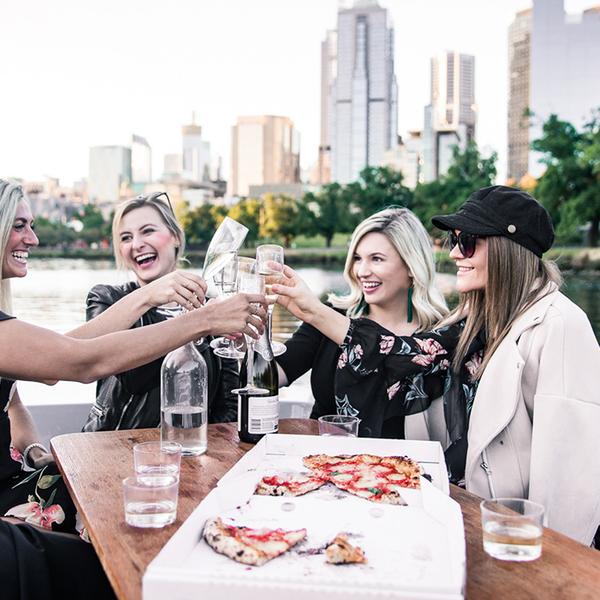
{"x": 554, "y": 68}
{"x": 141, "y": 162}
{"x": 359, "y": 116}
{"x": 195, "y": 153}
{"x": 328, "y": 74}
{"x": 265, "y": 149}
{"x": 172, "y": 166}
{"x": 450, "y": 118}
{"x": 109, "y": 173}
{"x": 407, "y": 157}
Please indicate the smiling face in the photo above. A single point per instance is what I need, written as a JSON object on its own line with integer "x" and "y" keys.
{"x": 380, "y": 271}
{"x": 472, "y": 273}
{"x": 146, "y": 245}
{"x": 21, "y": 238}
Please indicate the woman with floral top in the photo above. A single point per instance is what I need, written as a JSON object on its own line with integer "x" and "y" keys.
{"x": 390, "y": 272}
{"x": 521, "y": 403}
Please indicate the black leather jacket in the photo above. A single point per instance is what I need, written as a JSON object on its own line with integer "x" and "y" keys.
{"x": 131, "y": 400}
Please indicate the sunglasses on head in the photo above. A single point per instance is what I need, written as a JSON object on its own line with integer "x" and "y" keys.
{"x": 466, "y": 242}
{"x": 160, "y": 195}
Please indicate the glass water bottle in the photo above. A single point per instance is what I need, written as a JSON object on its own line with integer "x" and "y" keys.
{"x": 184, "y": 400}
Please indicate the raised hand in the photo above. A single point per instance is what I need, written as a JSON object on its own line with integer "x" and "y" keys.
{"x": 294, "y": 295}
{"x": 182, "y": 287}
{"x": 241, "y": 313}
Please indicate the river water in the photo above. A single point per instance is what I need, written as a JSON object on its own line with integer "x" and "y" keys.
{"x": 54, "y": 292}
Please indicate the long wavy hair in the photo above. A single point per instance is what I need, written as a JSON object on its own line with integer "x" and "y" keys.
{"x": 10, "y": 196}
{"x": 408, "y": 236}
{"x": 517, "y": 278}
{"x": 166, "y": 214}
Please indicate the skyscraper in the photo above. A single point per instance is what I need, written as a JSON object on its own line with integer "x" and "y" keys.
{"x": 195, "y": 153}
{"x": 328, "y": 74}
{"x": 555, "y": 64}
{"x": 141, "y": 162}
{"x": 361, "y": 112}
{"x": 519, "y": 47}
{"x": 264, "y": 150}
{"x": 109, "y": 170}
{"x": 450, "y": 118}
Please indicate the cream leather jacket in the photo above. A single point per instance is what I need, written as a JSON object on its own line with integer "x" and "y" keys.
{"x": 534, "y": 430}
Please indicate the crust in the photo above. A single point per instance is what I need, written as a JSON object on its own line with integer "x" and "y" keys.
{"x": 341, "y": 552}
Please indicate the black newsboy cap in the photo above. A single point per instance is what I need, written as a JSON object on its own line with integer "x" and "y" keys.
{"x": 506, "y": 211}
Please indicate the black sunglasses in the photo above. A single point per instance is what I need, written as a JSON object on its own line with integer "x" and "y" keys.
{"x": 157, "y": 195}
{"x": 466, "y": 242}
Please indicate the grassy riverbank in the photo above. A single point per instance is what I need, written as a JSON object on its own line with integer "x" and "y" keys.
{"x": 567, "y": 258}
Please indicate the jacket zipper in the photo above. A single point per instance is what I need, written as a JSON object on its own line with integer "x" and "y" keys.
{"x": 485, "y": 466}
{"x": 123, "y": 412}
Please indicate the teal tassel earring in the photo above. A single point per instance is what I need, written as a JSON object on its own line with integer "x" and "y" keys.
{"x": 409, "y": 311}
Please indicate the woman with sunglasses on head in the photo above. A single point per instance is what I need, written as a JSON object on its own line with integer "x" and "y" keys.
{"x": 43, "y": 563}
{"x": 390, "y": 271}
{"x": 148, "y": 240}
{"x": 521, "y": 403}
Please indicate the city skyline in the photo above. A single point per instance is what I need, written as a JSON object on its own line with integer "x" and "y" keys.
{"x": 87, "y": 74}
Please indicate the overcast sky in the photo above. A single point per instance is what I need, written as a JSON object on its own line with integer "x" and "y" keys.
{"x": 77, "y": 73}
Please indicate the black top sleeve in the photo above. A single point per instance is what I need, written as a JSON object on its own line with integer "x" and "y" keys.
{"x": 5, "y": 317}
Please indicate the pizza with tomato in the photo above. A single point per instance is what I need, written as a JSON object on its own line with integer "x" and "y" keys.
{"x": 376, "y": 478}
{"x": 341, "y": 552}
{"x": 296, "y": 484}
{"x": 250, "y": 546}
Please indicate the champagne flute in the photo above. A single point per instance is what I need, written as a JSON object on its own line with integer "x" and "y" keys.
{"x": 225, "y": 243}
{"x": 264, "y": 254}
{"x": 249, "y": 281}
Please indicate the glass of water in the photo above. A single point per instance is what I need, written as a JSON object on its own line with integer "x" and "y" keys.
{"x": 512, "y": 528}
{"x": 150, "y": 502}
{"x": 343, "y": 425}
{"x": 157, "y": 460}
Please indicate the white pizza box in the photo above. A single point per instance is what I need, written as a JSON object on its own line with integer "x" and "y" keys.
{"x": 414, "y": 552}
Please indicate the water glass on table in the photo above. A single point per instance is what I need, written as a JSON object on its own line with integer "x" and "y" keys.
{"x": 150, "y": 502}
{"x": 512, "y": 528}
{"x": 157, "y": 461}
{"x": 342, "y": 425}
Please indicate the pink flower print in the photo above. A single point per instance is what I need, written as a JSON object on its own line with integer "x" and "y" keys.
{"x": 473, "y": 364}
{"x": 358, "y": 351}
{"x": 430, "y": 346}
{"x": 444, "y": 364}
{"x": 16, "y": 455}
{"x": 32, "y": 512}
{"x": 393, "y": 389}
{"x": 386, "y": 344}
{"x": 342, "y": 360}
{"x": 422, "y": 359}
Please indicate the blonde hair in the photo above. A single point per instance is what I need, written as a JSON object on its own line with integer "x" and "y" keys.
{"x": 408, "y": 236}
{"x": 166, "y": 214}
{"x": 517, "y": 278}
{"x": 10, "y": 196}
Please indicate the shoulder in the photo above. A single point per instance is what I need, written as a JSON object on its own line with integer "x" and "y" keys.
{"x": 110, "y": 293}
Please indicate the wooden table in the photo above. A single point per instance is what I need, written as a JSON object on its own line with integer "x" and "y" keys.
{"x": 93, "y": 465}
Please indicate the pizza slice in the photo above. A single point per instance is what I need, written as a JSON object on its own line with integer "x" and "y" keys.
{"x": 249, "y": 546}
{"x": 341, "y": 552}
{"x": 289, "y": 485}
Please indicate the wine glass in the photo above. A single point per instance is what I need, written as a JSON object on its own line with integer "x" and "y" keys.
{"x": 225, "y": 243}
{"x": 226, "y": 282}
{"x": 249, "y": 281}
{"x": 264, "y": 254}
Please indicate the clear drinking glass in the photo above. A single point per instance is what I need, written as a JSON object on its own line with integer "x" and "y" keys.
{"x": 343, "y": 425}
{"x": 264, "y": 254}
{"x": 150, "y": 503}
{"x": 512, "y": 528}
{"x": 157, "y": 460}
{"x": 226, "y": 241}
{"x": 249, "y": 281}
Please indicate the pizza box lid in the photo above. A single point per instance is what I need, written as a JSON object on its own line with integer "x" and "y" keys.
{"x": 415, "y": 551}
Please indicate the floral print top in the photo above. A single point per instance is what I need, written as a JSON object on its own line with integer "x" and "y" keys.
{"x": 380, "y": 375}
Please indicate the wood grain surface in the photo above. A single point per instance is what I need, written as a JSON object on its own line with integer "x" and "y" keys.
{"x": 94, "y": 464}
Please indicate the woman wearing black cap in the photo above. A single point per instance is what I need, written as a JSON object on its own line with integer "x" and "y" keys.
{"x": 521, "y": 403}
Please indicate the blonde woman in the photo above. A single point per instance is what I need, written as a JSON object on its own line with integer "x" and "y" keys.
{"x": 390, "y": 271}
{"x": 148, "y": 241}
{"x": 38, "y": 563}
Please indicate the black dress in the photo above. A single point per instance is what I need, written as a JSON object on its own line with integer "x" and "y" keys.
{"x": 131, "y": 400}
{"x": 39, "y": 497}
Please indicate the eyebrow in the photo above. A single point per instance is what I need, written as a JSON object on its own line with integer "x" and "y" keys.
{"x": 140, "y": 227}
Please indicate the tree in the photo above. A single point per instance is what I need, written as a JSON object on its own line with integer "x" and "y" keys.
{"x": 279, "y": 218}
{"x": 247, "y": 212}
{"x": 377, "y": 188}
{"x": 570, "y": 186}
{"x": 327, "y": 212}
{"x": 468, "y": 172}
{"x": 199, "y": 225}
{"x": 52, "y": 233}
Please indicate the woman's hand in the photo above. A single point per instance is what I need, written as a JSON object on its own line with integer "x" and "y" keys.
{"x": 182, "y": 287}
{"x": 40, "y": 460}
{"x": 241, "y": 313}
{"x": 294, "y": 295}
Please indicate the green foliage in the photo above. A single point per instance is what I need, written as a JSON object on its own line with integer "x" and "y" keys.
{"x": 570, "y": 186}
{"x": 280, "y": 218}
{"x": 247, "y": 211}
{"x": 53, "y": 234}
{"x": 468, "y": 172}
{"x": 199, "y": 225}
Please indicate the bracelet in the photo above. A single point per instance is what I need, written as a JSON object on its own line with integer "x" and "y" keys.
{"x": 29, "y": 449}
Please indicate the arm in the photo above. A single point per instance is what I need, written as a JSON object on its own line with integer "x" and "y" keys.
{"x": 24, "y": 432}
{"x": 182, "y": 287}
{"x": 33, "y": 353}
{"x": 296, "y": 297}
